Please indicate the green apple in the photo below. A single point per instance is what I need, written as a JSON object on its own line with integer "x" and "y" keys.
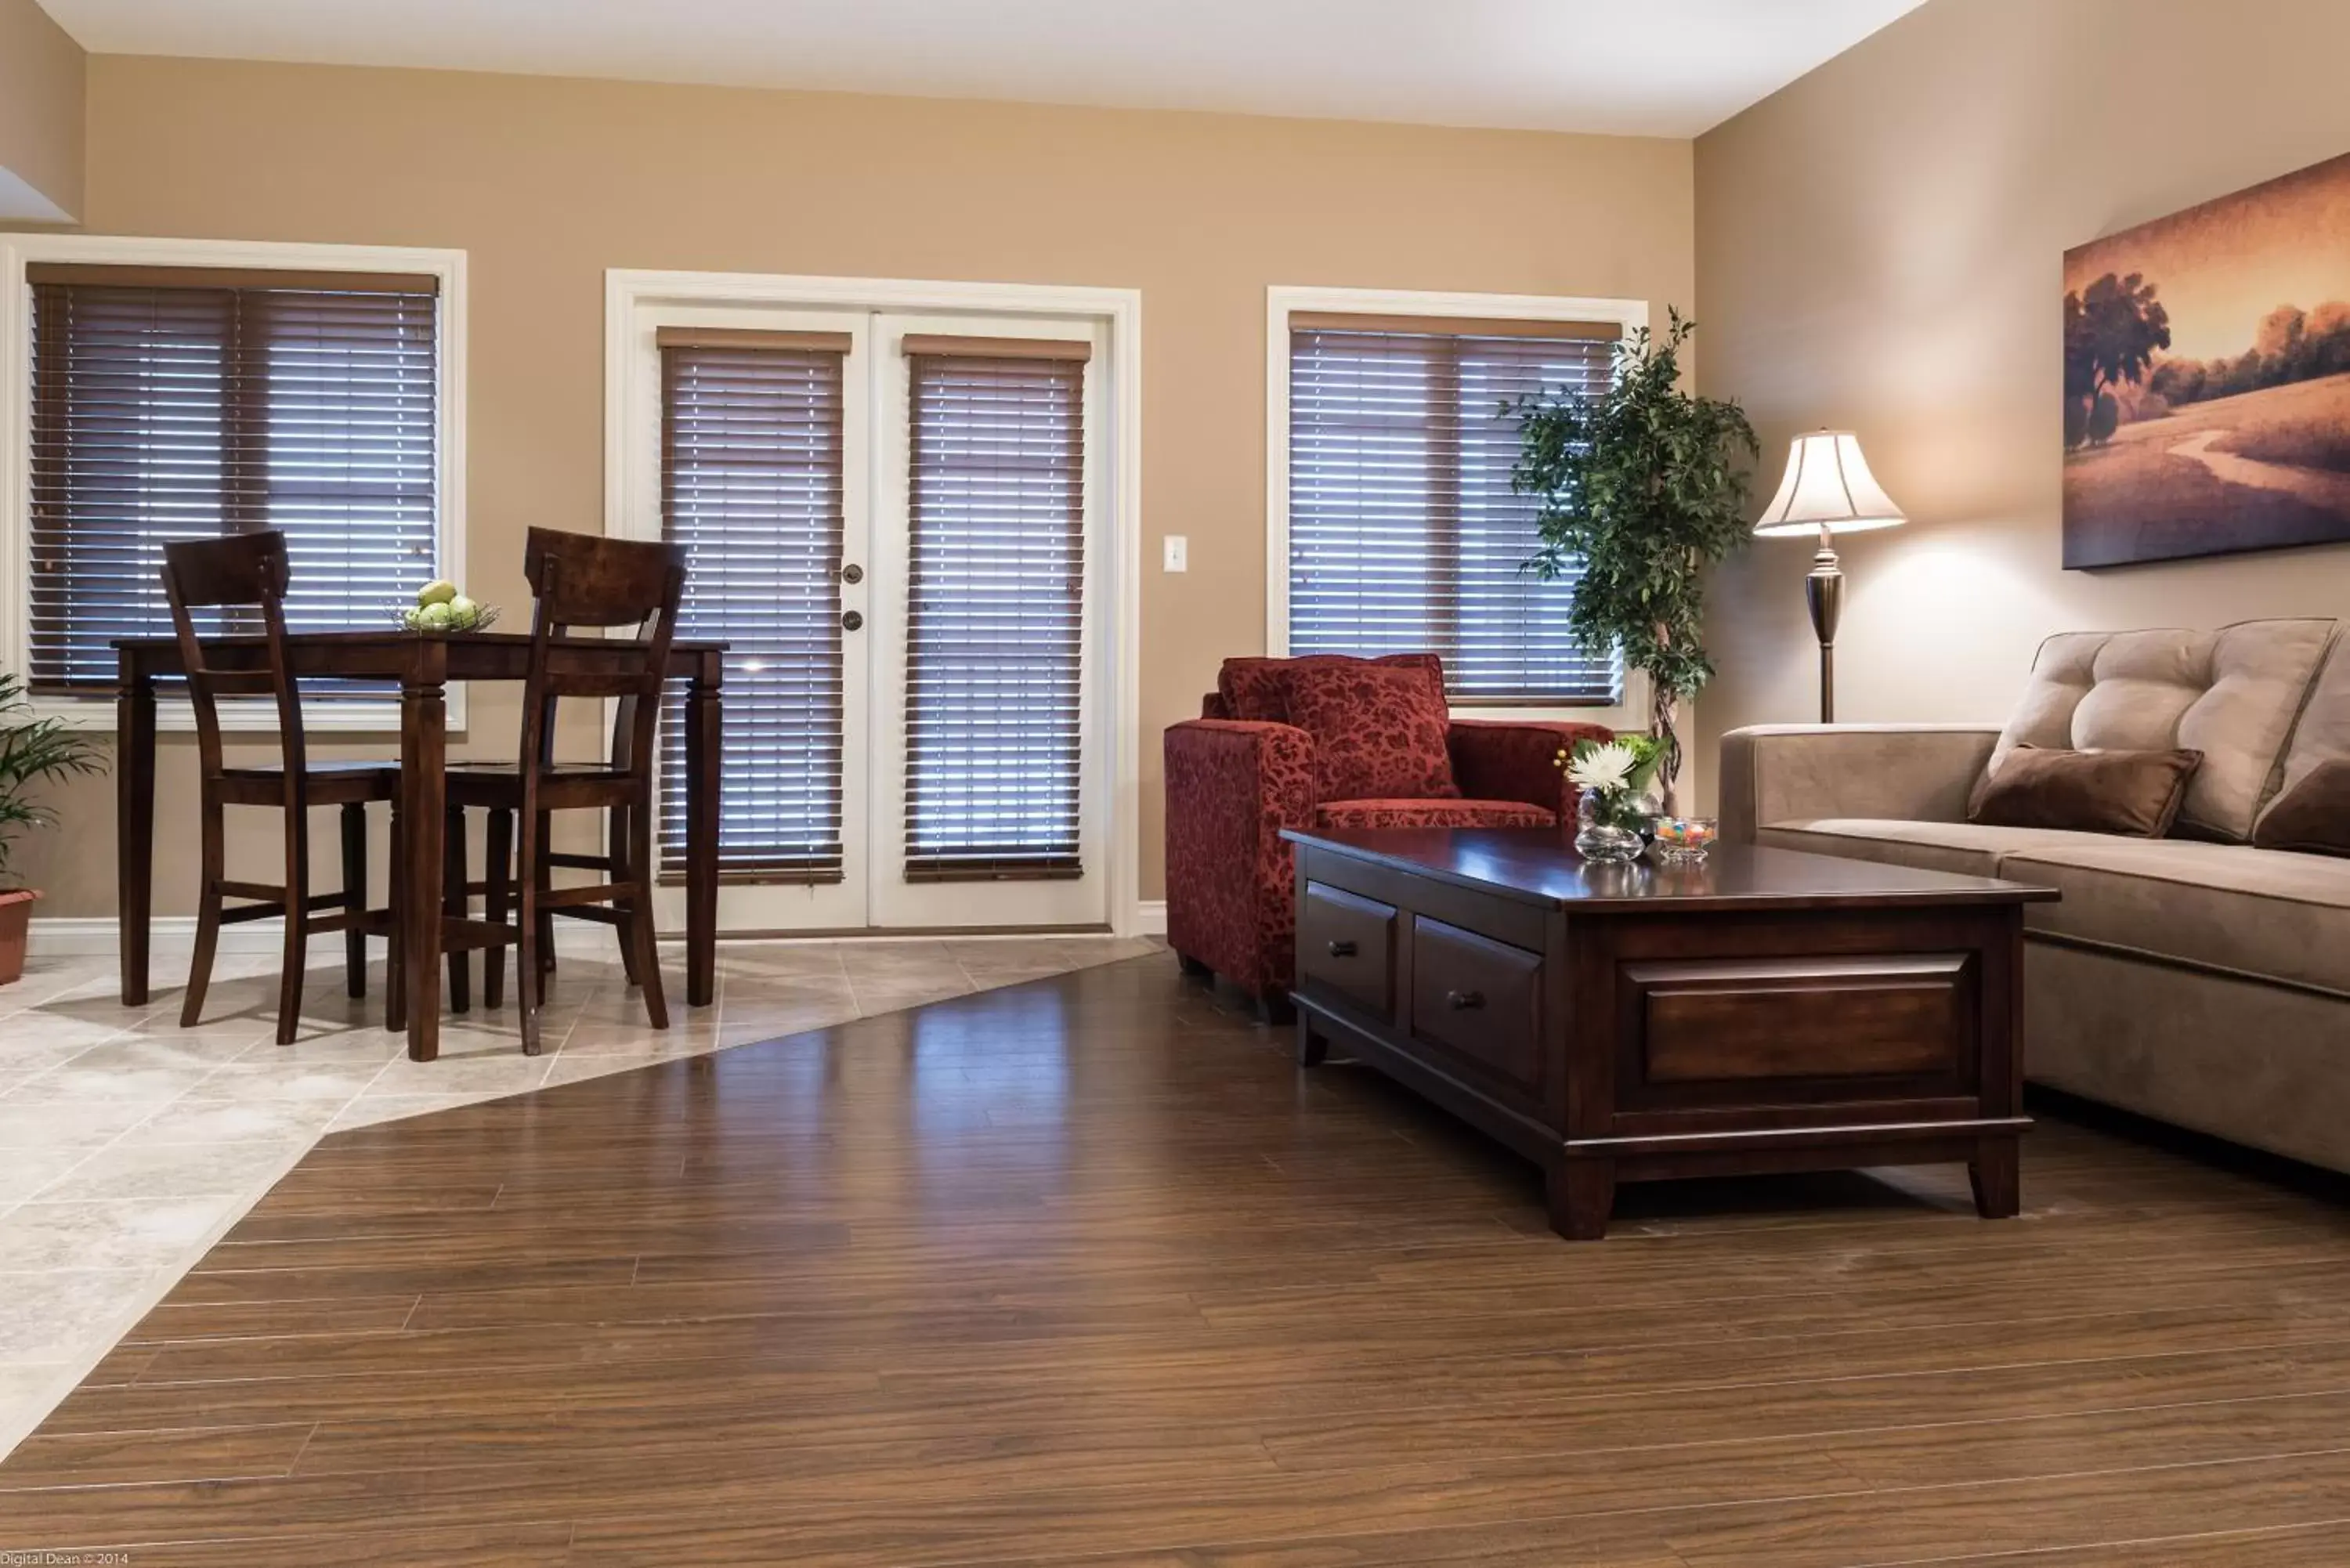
{"x": 463, "y": 613}
{"x": 438, "y": 592}
{"x": 433, "y": 618}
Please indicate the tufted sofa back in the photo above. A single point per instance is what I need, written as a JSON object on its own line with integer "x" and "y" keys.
{"x": 2235, "y": 695}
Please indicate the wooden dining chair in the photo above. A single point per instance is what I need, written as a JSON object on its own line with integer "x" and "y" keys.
{"x": 580, "y": 581}
{"x": 248, "y": 572}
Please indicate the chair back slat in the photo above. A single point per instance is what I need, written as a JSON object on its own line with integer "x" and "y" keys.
{"x": 588, "y": 580}
{"x": 241, "y": 571}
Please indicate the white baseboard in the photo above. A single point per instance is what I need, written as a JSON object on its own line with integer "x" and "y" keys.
{"x": 1150, "y": 916}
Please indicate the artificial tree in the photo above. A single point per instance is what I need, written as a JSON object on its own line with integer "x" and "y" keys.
{"x": 1642, "y": 489}
{"x": 32, "y": 751}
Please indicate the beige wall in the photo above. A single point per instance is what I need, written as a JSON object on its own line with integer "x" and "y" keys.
{"x": 547, "y": 182}
{"x": 1880, "y": 246}
{"x": 40, "y": 111}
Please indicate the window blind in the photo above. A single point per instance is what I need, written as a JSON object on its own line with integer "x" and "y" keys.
{"x": 995, "y": 632}
{"x": 181, "y": 403}
{"x": 1404, "y": 534}
{"x": 751, "y": 485}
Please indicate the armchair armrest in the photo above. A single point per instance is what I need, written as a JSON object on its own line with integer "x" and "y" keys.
{"x": 1232, "y": 787}
{"x": 1517, "y": 759}
{"x": 1792, "y": 772}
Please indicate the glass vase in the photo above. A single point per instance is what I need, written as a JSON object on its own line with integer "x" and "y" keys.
{"x": 1599, "y": 837}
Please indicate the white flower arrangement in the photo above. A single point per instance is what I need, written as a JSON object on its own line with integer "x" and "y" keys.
{"x": 1607, "y": 767}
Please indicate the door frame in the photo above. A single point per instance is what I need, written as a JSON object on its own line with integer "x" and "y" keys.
{"x": 629, "y": 293}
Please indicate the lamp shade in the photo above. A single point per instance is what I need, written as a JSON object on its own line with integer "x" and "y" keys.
{"x": 1827, "y": 485}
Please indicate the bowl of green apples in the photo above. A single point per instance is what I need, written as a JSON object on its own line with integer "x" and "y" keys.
{"x": 441, "y": 607}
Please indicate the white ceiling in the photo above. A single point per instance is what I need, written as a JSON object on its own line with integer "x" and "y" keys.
{"x": 1664, "y": 67}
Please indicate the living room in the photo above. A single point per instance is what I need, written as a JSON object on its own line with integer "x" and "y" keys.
{"x": 1018, "y": 1111}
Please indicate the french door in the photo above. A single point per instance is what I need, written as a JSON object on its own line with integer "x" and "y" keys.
{"x": 894, "y": 522}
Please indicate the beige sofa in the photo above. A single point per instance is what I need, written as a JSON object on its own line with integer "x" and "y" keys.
{"x": 2194, "y": 978}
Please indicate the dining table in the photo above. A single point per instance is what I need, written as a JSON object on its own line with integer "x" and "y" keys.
{"x": 422, "y": 664}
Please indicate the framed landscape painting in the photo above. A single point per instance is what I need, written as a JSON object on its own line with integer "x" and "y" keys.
{"x": 2207, "y": 377}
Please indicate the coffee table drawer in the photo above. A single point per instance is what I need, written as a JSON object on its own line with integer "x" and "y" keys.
{"x": 1346, "y": 943}
{"x": 1478, "y": 998}
{"x": 1699, "y": 1029}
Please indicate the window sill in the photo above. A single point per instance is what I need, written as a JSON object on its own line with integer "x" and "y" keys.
{"x": 177, "y": 716}
{"x": 1609, "y": 714}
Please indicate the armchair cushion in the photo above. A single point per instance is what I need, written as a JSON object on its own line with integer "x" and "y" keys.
{"x": 1258, "y": 689}
{"x": 1378, "y": 731}
{"x": 1434, "y": 814}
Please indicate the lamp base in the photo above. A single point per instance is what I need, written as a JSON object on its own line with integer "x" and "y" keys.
{"x": 1824, "y": 596}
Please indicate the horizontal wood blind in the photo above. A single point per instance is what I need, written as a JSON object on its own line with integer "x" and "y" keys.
{"x": 167, "y": 410}
{"x": 994, "y": 633}
{"x": 751, "y": 485}
{"x": 1403, "y": 533}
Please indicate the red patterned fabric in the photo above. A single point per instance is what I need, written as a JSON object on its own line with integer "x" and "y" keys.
{"x": 1232, "y": 787}
{"x": 1434, "y": 814}
{"x": 1378, "y": 731}
{"x": 1258, "y": 689}
{"x": 1517, "y": 760}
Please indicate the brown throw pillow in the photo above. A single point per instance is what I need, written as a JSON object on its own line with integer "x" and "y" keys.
{"x": 2133, "y": 793}
{"x": 1380, "y": 731}
{"x": 2312, "y": 817}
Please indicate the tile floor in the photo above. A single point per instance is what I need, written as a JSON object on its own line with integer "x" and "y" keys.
{"x": 127, "y": 1145}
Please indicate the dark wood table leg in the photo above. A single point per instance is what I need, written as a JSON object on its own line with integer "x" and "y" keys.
{"x": 1582, "y": 1194}
{"x": 1312, "y": 1050}
{"x": 134, "y": 819}
{"x": 1996, "y": 1174}
{"x": 702, "y": 744}
{"x": 423, "y": 788}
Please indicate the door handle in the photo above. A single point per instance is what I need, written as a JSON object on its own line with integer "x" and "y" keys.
{"x": 1342, "y": 949}
{"x": 1464, "y": 1000}
{"x": 852, "y": 620}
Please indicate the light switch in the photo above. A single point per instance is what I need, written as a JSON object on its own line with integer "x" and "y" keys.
{"x": 1178, "y": 552}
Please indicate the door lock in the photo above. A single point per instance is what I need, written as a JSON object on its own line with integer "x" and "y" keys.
{"x": 852, "y": 573}
{"x": 851, "y": 621}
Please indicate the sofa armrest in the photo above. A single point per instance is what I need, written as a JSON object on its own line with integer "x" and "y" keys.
{"x": 1517, "y": 759}
{"x": 1792, "y": 772}
{"x": 1232, "y": 787}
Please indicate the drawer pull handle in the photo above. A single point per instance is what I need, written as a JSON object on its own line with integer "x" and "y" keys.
{"x": 1464, "y": 1000}
{"x": 1342, "y": 949}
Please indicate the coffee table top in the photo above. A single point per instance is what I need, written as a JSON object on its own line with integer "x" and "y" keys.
{"x": 1539, "y": 866}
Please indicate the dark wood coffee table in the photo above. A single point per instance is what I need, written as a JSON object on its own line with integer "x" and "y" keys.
{"x": 1766, "y": 1010}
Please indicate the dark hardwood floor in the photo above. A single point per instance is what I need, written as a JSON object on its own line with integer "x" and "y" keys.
{"x": 1085, "y": 1271}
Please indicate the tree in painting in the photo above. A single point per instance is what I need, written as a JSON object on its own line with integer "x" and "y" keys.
{"x": 2113, "y": 329}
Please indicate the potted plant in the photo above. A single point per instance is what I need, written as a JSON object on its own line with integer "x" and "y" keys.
{"x": 32, "y": 751}
{"x": 1642, "y": 486}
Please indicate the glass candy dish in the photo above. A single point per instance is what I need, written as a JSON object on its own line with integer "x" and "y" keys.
{"x": 1682, "y": 840}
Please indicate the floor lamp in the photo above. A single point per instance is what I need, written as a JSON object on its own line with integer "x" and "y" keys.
{"x": 1827, "y": 491}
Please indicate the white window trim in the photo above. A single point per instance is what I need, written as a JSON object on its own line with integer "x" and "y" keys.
{"x": 17, "y": 251}
{"x": 627, "y": 293}
{"x": 1282, "y": 302}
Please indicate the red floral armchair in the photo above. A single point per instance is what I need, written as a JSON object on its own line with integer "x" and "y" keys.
{"x": 1250, "y": 766}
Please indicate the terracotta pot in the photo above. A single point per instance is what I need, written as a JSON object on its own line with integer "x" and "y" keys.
{"x": 15, "y": 919}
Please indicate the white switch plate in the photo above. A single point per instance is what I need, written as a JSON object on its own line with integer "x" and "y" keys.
{"x": 1178, "y": 552}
